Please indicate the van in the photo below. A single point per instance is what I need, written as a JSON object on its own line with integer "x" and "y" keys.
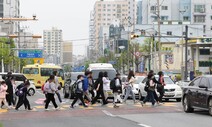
{"x": 95, "y": 68}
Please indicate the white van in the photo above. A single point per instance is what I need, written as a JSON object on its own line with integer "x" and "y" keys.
{"x": 95, "y": 68}
{"x": 103, "y": 67}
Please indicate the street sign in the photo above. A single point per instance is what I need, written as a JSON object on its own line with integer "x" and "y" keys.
{"x": 30, "y": 53}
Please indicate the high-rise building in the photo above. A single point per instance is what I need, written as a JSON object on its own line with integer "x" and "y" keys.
{"x": 67, "y": 52}
{"x": 9, "y": 9}
{"x": 52, "y": 40}
{"x": 105, "y": 12}
{"x": 139, "y": 12}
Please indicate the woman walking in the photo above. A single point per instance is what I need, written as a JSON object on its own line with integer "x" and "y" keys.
{"x": 3, "y": 89}
{"x": 106, "y": 84}
{"x": 22, "y": 96}
{"x": 129, "y": 86}
{"x": 160, "y": 87}
{"x": 99, "y": 89}
{"x": 151, "y": 89}
{"x": 50, "y": 89}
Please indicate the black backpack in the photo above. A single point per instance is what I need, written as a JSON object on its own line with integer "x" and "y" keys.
{"x": 19, "y": 90}
{"x": 75, "y": 88}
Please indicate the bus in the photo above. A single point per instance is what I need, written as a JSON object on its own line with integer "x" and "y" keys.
{"x": 39, "y": 73}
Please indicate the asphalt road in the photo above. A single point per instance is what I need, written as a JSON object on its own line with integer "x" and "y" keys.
{"x": 169, "y": 114}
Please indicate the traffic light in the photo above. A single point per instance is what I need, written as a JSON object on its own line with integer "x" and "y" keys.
{"x": 134, "y": 36}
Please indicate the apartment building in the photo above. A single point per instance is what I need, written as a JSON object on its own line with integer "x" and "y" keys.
{"x": 52, "y": 40}
{"x": 105, "y": 12}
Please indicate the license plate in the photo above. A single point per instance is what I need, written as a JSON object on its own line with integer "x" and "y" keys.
{"x": 168, "y": 94}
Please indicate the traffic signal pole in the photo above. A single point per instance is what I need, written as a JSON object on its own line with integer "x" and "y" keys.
{"x": 186, "y": 53}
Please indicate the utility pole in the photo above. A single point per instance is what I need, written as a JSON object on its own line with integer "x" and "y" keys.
{"x": 159, "y": 43}
{"x": 186, "y": 52}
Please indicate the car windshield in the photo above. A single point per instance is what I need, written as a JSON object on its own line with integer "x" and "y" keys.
{"x": 74, "y": 75}
{"x": 167, "y": 80}
{"x": 111, "y": 73}
{"x": 138, "y": 80}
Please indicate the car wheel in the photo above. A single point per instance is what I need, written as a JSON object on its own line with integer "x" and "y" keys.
{"x": 178, "y": 99}
{"x": 210, "y": 106}
{"x": 186, "y": 106}
{"x": 31, "y": 92}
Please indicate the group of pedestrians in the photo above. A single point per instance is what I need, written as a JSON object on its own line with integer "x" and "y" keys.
{"x": 101, "y": 87}
{"x": 151, "y": 86}
{"x": 9, "y": 93}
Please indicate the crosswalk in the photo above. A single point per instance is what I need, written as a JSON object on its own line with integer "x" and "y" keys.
{"x": 66, "y": 106}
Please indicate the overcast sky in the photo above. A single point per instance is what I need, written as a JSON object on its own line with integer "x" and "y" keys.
{"x": 72, "y": 16}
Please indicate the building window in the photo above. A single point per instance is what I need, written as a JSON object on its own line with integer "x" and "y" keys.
{"x": 153, "y": 8}
{"x": 108, "y": 14}
{"x": 199, "y": 18}
{"x": 185, "y": 18}
{"x": 169, "y": 33}
{"x": 99, "y": 9}
{"x": 99, "y": 5}
{"x": 164, "y": 7}
{"x": 199, "y": 8}
{"x": 108, "y": 9}
{"x": 211, "y": 27}
{"x": 164, "y": 18}
{"x": 108, "y": 5}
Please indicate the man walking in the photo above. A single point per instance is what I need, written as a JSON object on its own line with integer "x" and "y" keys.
{"x": 86, "y": 85}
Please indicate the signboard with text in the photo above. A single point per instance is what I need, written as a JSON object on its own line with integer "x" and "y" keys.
{"x": 35, "y": 53}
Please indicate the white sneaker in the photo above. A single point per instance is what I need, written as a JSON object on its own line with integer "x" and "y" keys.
{"x": 47, "y": 109}
{"x": 58, "y": 108}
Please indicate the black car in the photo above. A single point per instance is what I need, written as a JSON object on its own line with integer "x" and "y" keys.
{"x": 67, "y": 91}
{"x": 198, "y": 94}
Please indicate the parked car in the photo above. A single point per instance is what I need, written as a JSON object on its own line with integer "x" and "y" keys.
{"x": 20, "y": 78}
{"x": 172, "y": 90}
{"x": 198, "y": 94}
{"x": 136, "y": 86}
{"x": 67, "y": 90}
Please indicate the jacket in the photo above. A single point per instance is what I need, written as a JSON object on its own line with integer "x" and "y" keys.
{"x": 85, "y": 83}
{"x": 50, "y": 87}
{"x": 3, "y": 90}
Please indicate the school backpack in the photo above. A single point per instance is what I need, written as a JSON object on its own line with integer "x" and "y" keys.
{"x": 75, "y": 88}
{"x": 19, "y": 90}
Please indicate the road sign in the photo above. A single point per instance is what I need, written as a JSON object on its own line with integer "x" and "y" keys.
{"x": 30, "y": 53}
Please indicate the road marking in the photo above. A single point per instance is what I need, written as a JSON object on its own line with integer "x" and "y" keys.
{"x": 40, "y": 101}
{"x": 3, "y": 110}
{"x": 65, "y": 106}
{"x": 143, "y": 125}
{"x": 108, "y": 113}
{"x": 39, "y": 107}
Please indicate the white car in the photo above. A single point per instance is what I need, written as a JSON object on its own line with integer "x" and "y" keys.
{"x": 20, "y": 78}
{"x": 172, "y": 90}
{"x": 136, "y": 86}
